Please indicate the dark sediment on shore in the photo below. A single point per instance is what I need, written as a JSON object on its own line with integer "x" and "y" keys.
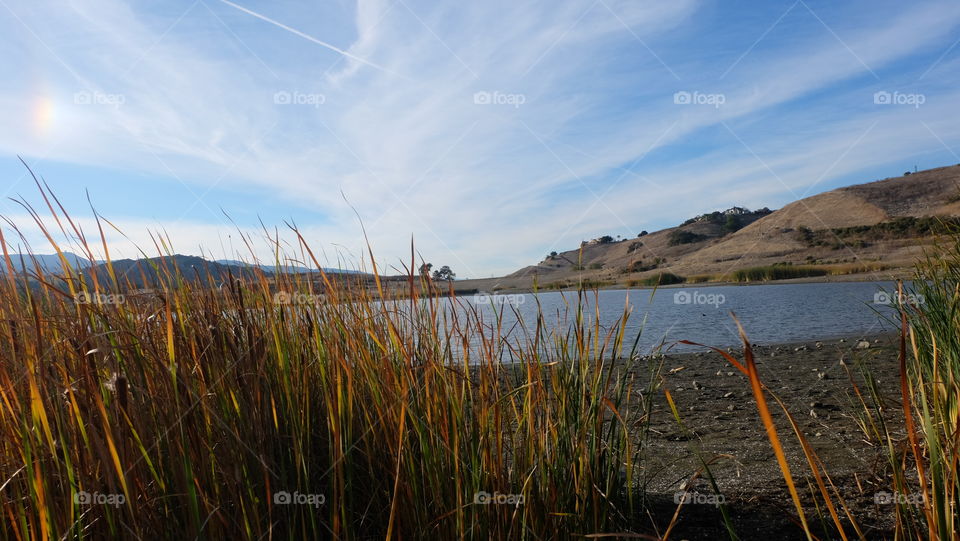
{"x": 716, "y": 404}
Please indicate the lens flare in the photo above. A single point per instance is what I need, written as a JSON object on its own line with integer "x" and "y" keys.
{"x": 42, "y": 113}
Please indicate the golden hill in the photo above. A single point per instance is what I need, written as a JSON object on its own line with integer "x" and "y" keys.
{"x": 875, "y": 230}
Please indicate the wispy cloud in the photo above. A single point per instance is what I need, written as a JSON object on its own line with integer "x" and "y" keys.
{"x": 484, "y": 130}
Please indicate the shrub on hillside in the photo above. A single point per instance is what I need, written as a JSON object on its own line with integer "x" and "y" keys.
{"x": 680, "y": 236}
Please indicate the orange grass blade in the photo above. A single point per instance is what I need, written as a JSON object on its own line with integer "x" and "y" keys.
{"x": 908, "y": 416}
{"x": 770, "y": 428}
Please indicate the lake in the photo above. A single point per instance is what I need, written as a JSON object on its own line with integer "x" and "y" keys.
{"x": 770, "y": 313}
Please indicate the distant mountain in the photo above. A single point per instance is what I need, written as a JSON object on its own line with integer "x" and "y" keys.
{"x": 188, "y": 265}
{"x": 289, "y": 268}
{"x": 50, "y": 263}
{"x": 143, "y": 273}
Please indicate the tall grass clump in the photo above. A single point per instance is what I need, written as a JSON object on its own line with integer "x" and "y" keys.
{"x": 776, "y": 272}
{"x": 856, "y": 268}
{"x": 159, "y": 403}
{"x": 661, "y": 279}
{"x": 921, "y": 437}
{"x": 931, "y": 395}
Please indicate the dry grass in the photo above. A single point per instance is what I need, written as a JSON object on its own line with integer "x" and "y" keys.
{"x": 193, "y": 409}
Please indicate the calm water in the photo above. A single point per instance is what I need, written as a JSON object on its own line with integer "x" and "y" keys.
{"x": 773, "y": 313}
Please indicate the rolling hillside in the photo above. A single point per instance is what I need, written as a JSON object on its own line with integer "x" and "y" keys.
{"x": 874, "y": 230}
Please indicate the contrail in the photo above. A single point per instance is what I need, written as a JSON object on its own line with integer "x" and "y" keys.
{"x": 310, "y": 38}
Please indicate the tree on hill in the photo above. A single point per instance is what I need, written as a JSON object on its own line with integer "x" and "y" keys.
{"x": 606, "y": 239}
{"x": 732, "y": 224}
{"x": 425, "y": 269}
{"x": 643, "y": 234}
{"x": 444, "y": 274}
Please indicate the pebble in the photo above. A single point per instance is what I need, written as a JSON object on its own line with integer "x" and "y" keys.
{"x": 729, "y": 373}
{"x": 728, "y": 395}
{"x": 819, "y": 345}
{"x": 863, "y": 344}
{"x": 731, "y": 407}
{"x": 697, "y": 386}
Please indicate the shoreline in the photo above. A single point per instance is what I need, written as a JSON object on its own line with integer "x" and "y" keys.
{"x": 849, "y": 341}
{"x": 841, "y": 278}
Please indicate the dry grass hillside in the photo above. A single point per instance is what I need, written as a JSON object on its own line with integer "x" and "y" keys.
{"x": 866, "y": 231}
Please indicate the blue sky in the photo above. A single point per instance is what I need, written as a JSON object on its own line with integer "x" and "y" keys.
{"x": 490, "y": 132}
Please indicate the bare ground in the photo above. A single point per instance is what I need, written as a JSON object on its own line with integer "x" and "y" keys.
{"x": 721, "y": 421}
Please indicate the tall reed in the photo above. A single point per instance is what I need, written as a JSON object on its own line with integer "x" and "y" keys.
{"x": 931, "y": 396}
